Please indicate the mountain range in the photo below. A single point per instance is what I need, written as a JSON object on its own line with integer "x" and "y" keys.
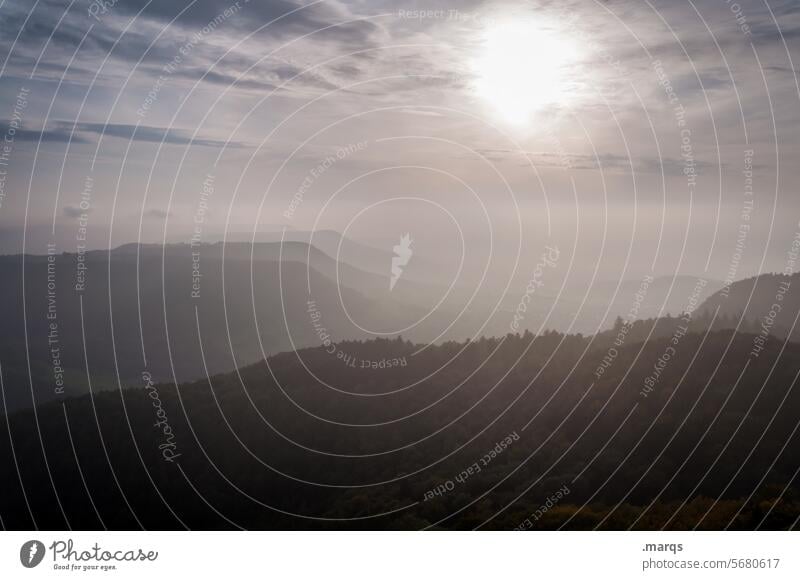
{"x": 97, "y": 320}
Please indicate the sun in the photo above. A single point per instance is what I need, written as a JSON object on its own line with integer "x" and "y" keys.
{"x": 522, "y": 67}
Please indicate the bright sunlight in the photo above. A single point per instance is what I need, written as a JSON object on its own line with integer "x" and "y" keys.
{"x": 522, "y": 68}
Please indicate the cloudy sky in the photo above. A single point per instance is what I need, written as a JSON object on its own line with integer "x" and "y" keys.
{"x": 619, "y": 130}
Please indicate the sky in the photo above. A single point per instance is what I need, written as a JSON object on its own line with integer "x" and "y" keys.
{"x": 639, "y": 136}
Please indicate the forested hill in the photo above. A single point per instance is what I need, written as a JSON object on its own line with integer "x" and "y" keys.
{"x": 773, "y": 299}
{"x": 386, "y": 434}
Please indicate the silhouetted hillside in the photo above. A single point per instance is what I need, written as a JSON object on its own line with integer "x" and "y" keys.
{"x": 382, "y": 427}
{"x": 769, "y": 299}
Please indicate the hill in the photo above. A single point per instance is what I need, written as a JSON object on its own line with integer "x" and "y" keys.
{"x": 769, "y": 299}
{"x": 391, "y": 435}
{"x": 104, "y": 317}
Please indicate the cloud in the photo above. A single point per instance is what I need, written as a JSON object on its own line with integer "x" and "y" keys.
{"x": 162, "y": 30}
{"x": 73, "y": 211}
{"x": 226, "y": 79}
{"x": 65, "y": 132}
{"x": 156, "y": 213}
{"x": 146, "y": 133}
{"x": 605, "y": 161}
{"x": 51, "y": 135}
{"x": 266, "y": 76}
{"x": 421, "y": 112}
{"x": 783, "y": 69}
{"x": 283, "y": 18}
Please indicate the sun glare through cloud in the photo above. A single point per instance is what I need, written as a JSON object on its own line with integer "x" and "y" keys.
{"x": 522, "y": 67}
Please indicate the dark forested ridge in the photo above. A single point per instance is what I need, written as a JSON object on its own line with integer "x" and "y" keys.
{"x": 765, "y": 299}
{"x": 519, "y": 432}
